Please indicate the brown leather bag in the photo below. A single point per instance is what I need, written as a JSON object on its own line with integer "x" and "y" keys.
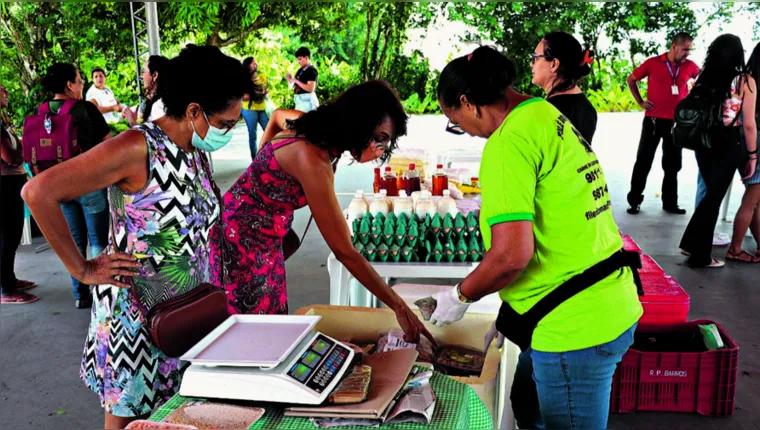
{"x": 291, "y": 242}
{"x": 179, "y": 323}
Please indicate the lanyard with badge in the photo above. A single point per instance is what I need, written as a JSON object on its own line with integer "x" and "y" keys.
{"x": 674, "y": 87}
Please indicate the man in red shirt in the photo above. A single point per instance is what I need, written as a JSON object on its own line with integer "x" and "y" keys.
{"x": 668, "y": 75}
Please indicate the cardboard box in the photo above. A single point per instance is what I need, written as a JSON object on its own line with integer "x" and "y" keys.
{"x": 365, "y": 325}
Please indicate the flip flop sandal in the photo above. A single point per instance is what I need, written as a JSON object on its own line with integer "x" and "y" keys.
{"x": 752, "y": 259}
{"x": 19, "y": 299}
{"x": 686, "y": 253}
{"x": 22, "y": 285}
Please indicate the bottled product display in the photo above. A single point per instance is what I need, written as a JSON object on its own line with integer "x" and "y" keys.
{"x": 403, "y": 205}
{"x": 377, "y": 182}
{"x": 387, "y": 199}
{"x": 400, "y": 180}
{"x": 440, "y": 181}
{"x": 409, "y": 239}
{"x": 447, "y": 205}
{"x": 378, "y": 206}
{"x": 413, "y": 180}
{"x": 425, "y": 206}
{"x": 358, "y": 208}
{"x": 389, "y": 183}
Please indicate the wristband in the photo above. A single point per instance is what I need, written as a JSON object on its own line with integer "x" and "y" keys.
{"x": 462, "y": 297}
{"x": 752, "y": 152}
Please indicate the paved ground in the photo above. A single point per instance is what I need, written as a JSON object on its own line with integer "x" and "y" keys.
{"x": 41, "y": 344}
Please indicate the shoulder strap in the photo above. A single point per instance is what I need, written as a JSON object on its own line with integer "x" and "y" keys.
{"x": 67, "y": 106}
{"x": 43, "y": 108}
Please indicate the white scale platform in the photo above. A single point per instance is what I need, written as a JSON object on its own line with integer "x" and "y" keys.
{"x": 270, "y": 358}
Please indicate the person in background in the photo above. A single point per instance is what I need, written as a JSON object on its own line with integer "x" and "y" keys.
{"x": 558, "y": 63}
{"x": 295, "y": 169}
{"x": 102, "y": 97}
{"x": 86, "y": 213}
{"x": 12, "y": 289}
{"x": 254, "y": 103}
{"x": 305, "y": 82}
{"x": 669, "y": 75}
{"x": 546, "y": 218}
{"x": 722, "y": 73}
{"x": 152, "y": 104}
{"x": 162, "y": 208}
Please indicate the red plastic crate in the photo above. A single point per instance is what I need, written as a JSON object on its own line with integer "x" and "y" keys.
{"x": 649, "y": 266}
{"x": 630, "y": 245}
{"x": 696, "y": 382}
{"x": 665, "y": 302}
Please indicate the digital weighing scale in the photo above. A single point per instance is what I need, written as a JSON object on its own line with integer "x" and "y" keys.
{"x": 270, "y": 358}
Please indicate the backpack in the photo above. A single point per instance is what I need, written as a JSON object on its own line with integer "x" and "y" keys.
{"x": 697, "y": 117}
{"x": 49, "y": 138}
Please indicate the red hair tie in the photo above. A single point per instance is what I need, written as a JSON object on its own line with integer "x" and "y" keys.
{"x": 587, "y": 58}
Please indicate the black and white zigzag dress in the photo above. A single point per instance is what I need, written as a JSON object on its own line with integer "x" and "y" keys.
{"x": 166, "y": 226}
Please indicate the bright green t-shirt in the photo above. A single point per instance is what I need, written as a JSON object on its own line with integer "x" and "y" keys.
{"x": 537, "y": 168}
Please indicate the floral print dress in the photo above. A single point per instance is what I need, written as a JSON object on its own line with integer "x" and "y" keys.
{"x": 166, "y": 226}
{"x": 246, "y": 251}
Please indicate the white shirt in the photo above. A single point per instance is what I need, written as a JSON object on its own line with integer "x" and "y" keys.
{"x": 157, "y": 110}
{"x": 105, "y": 98}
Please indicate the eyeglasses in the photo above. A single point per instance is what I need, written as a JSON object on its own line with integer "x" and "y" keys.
{"x": 454, "y": 128}
{"x": 227, "y": 125}
{"x": 535, "y": 57}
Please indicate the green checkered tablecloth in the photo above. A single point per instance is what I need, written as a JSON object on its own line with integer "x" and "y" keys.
{"x": 458, "y": 407}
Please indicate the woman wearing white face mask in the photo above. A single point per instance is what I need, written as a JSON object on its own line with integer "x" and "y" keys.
{"x": 293, "y": 169}
{"x": 162, "y": 207}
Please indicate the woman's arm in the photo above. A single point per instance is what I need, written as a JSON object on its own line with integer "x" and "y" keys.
{"x": 277, "y": 123}
{"x": 121, "y": 160}
{"x": 749, "y": 101}
{"x": 312, "y": 168}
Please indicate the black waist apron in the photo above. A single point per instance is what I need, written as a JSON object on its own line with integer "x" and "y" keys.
{"x": 519, "y": 328}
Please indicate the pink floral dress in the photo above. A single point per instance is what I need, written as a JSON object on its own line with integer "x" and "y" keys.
{"x": 246, "y": 245}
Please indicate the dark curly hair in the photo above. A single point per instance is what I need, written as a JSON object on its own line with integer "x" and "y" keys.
{"x": 723, "y": 63}
{"x": 483, "y": 77}
{"x": 203, "y": 75}
{"x": 57, "y": 76}
{"x": 571, "y": 55}
{"x": 348, "y": 122}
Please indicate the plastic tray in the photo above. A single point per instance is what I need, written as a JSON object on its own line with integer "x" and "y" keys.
{"x": 649, "y": 266}
{"x": 630, "y": 245}
{"x": 701, "y": 382}
{"x": 665, "y": 302}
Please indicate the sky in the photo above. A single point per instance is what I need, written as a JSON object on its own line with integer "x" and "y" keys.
{"x": 441, "y": 41}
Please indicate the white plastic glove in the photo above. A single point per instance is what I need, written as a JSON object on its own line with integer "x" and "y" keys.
{"x": 449, "y": 308}
{"x": 492, "y": 334}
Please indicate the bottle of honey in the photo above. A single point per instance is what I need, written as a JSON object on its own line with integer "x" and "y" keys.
{"x": 389, "y": 183}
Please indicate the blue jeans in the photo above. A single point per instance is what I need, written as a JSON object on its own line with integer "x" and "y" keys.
{"x": 701, "y": 189}
{"x": 254, "y": 118}
{"x": 88, "y": 219}
{"x": 567, "y": 390}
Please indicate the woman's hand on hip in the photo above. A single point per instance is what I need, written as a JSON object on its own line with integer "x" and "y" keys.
{"x": 749, "y": 168}
{"x": 105, "y": 268}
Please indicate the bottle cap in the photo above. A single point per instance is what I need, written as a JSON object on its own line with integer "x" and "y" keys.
{"x": 439, "y": 166}
{"x": 383, "y": 193}
{"x": 446, "y": 193}
{"x": 387, "y": 168}
{"x": 411, "y": 166}
{"x": 377, "y": 170}
{"x": 425, "y": 194}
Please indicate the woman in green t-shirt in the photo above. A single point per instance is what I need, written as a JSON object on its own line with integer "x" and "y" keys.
{"x": 554, "y": 251}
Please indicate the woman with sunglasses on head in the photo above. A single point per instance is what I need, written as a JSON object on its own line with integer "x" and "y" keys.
{"x": 293, "y": 169}
{"x": 162, "y": 206}
{"x": 558, "y": 64}
{"x": 554, "y": 251}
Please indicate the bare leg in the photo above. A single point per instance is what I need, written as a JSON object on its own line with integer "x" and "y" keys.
{"x": 744, "y": 217}
{"x": 754, "y": 227}
{"x": 114, "y": 422}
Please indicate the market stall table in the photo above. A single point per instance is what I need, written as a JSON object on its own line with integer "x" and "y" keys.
{"x": 457, "y": 407}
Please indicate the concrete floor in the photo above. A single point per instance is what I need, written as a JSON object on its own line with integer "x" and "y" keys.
{"x": 41, "y": 344}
